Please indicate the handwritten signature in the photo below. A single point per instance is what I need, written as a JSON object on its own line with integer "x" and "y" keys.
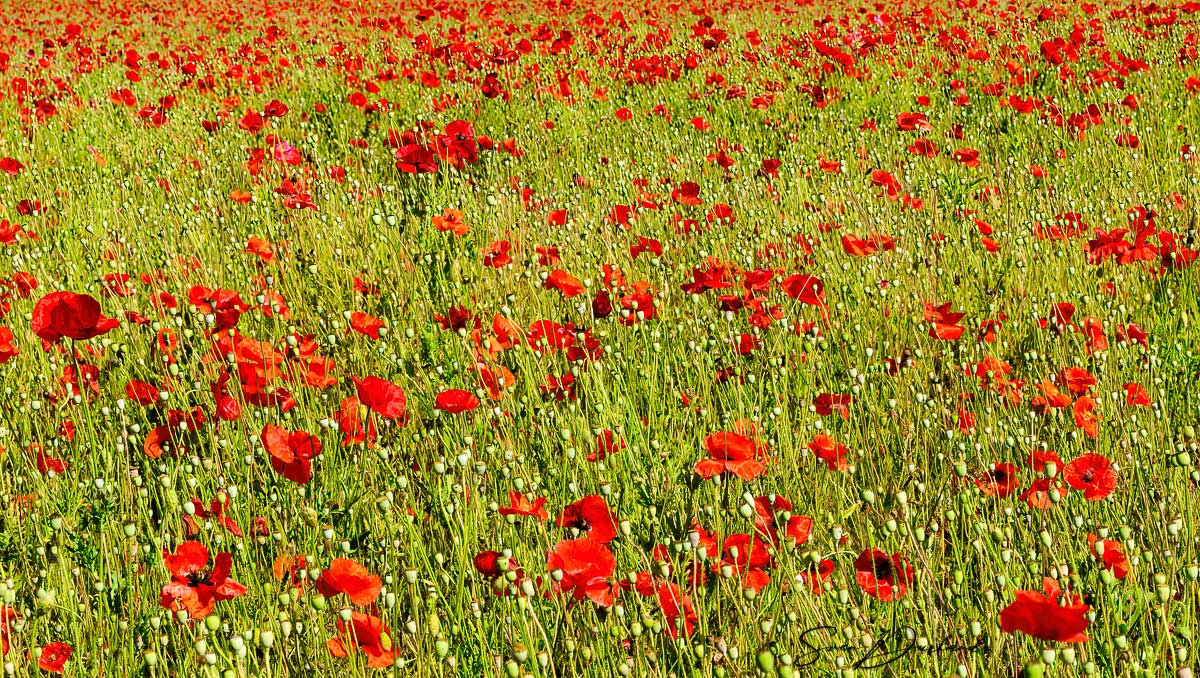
{"x": 888, "y": 647}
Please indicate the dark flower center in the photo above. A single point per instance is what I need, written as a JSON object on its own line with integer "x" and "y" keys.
{"x": 882, "y": 568}
{"x": 199, "y": 578}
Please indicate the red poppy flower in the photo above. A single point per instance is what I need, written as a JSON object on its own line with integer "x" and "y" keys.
{"x": 456, "y": 401}
{"x": 217, "y": 510}
{"x": 1037, "y": 495}
{"x": 806, "y": 288}
{"x": 382, "y": 397}
{"x": 816, "y": 575}
{"x": 7, "y": 617}
{"x": 593, "y": 515}
{"x": 520, "y": 505}
{"x": 194, "y": 588}
{"x": 1078, "y": 380}
{"x": 451, "y": 220}
{"x": 1039, "y": 459}
{"x": 351, "y": 578}
{"x": 831, "y": 452}
{"x": 732, "y": 452}
{"x": 366, "y": 324}
{"x": 73, "y": 316}
{"x": 1000, "y": 481}
{"x": 54, "y": 657}
{"x": 797, "y": 529}
{"x": 497, "y": 254}
{"x": 606, "y": 443}
{"x": 7, "y": 350}
{"x": 749, "y": 557}
{"x": 1038, "y": 615}
{"x": 1135, "y": 394}
{"x": 586, "y": 566}
{"x": 676, "y": 606}
{"x": 828, "y": 403}
{"x": 142, "y": 393}
{"x": 487, "y": 563}
{"x": 968, "y": 157}
{"x": 1093, "y": 474}
{"x": 548, "y": 255}
{"x": 882, "y": 576}
{"x": 367, "y": 633}
{"x": 1111, "y": 554}
{"x": 291, "y": 452}
{"x": 943, "y": 322}
{"x": 563, "y": 282}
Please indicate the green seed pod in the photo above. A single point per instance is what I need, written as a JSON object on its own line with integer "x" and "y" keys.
{"x": 765, "y": 661}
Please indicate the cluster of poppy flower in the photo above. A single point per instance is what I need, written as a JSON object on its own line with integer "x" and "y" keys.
{"x": 922, "y": 188}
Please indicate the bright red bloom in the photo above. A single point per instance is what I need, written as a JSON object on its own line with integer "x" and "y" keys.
{"x": 1093, "y": 474}
{"x": 1111, "y": 554}
{"x": 7, "y": 617}
{"x": 676, "y": 605}
{"x": 806, "y": 288}
{"x": 999, "y": 481}
{"x": 606, "y": 443}
{"x": 382, "y": 397}
{"x": 351, "y": 578}
{"x": 816, "y": 575}
{"x": 7, "y": 350}
{"x": 366, "y": 324}
{"x": 456, "y": 400}
{"x": 1135, "y": 394}
{"x": 369, "y": 634}
{"x": 830, "y": 451}
{"x": 586, "y": 566}
{"x": 749, "y": 557}
{"x": 828, "y": 403}
{"x": 732, "y": 452}
{"x": 194, "y": 588}
{"x": 68, "y": 315}
{"x": 1038, "y": 615}
{"x": 217, "y": 510}
{"x": 593, "y": 515}
{"x": 882, "y": 576}
{"x": 564, "y": 282}
{"x": 520, "y": 505}
{"x": 291, "y": 452}
{"x": 943, "y": 322}
{"x": 11, "y": 166}
{"x": 54, "y": 657}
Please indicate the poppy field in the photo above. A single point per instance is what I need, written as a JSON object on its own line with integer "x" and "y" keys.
{"x": 571, "y": 338}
